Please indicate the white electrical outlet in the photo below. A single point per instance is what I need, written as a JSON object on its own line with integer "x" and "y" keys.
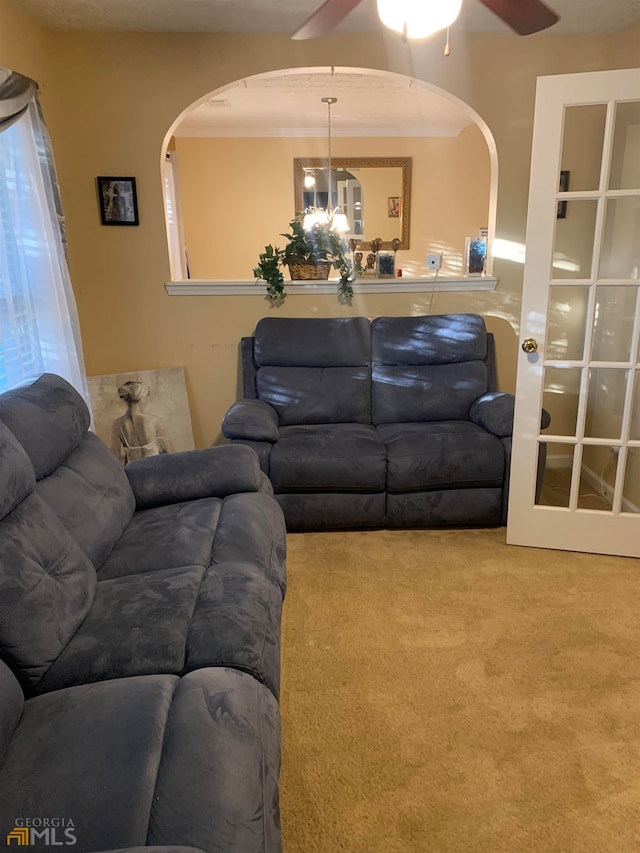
{"x": 434, "y": 262}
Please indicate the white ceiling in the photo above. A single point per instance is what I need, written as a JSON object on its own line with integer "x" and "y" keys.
{"x": 289, "y": 104}
{"x": 258, "y": 16}
{"x": 369, "y": 104}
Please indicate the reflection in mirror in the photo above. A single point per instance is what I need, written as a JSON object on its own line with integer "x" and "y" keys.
{"x": 374, "y": 193}
{"x": 346, "y": 193}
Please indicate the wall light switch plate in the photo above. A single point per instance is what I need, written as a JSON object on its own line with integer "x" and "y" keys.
{"x": 434, "y": 262}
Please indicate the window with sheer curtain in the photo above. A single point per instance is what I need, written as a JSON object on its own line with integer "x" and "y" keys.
{"x": 39, "y": 329}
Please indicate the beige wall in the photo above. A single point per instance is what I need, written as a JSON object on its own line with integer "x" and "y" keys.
{"x": 23, "y": 43}
{"x": 117, "y": 96}
{"x": 225, "y": 231}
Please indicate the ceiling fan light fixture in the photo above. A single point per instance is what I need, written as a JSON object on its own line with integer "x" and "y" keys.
{"x": 418, "y": 19}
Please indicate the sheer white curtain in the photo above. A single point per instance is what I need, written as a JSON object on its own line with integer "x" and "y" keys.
{"x": 39, "y": 328}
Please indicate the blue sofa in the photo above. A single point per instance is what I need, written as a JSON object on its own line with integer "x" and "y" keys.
{"x": 359, "y": 424}
{"x": 139, "y": 636}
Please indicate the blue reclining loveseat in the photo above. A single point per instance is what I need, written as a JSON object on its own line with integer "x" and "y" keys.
{"x": 359, "y": 424}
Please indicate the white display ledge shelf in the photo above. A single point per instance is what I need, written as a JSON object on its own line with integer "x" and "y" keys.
{"x": 202, "y": 287}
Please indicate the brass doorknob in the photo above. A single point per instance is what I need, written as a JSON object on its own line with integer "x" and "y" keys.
{"x": 530, "y": 345}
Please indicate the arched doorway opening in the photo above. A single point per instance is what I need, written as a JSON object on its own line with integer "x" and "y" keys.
{"x": 228, "y": 165}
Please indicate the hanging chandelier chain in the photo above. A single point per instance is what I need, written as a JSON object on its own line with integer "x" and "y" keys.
{"x": 329, "y": 102}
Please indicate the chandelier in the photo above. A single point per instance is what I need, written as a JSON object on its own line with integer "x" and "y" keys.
{"x": 331, "y": 216}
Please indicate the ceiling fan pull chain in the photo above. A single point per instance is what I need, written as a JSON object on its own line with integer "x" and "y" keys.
{"x": 447, "y": 47}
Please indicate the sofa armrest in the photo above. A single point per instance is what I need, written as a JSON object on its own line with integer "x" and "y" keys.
{"x": 494, "y": 412}
{"x": 211, "y": 473}
{"x": 252, "y": 419}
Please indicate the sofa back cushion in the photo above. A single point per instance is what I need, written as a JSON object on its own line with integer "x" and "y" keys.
{"x": 11, "y": 704}
{"x": 47, "y": 583}
{"x": 48, "y": 417}
{"x": 314, "y": 370}
{"x": 428, "y": 368}
{"x": 78, "y": 476}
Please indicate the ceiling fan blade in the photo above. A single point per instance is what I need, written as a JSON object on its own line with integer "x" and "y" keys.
{"x": 324, "y": 19}
{"x": 523, "y": 16}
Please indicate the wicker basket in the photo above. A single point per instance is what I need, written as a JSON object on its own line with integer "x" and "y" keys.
{"x": 300, "y": 270}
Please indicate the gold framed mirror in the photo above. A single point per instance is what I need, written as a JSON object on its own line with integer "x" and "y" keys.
{"x": 374, "y": 193}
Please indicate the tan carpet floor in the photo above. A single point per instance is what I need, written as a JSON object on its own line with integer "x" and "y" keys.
{"x": 445, "y": 692}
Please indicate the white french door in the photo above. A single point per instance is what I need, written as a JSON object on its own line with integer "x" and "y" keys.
{"x": 576, "y": 484}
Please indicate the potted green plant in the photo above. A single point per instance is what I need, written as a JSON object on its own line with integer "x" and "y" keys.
{"x": 309, "y": 254}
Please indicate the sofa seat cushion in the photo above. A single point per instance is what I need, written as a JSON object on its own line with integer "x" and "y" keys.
{"x": 90, "y": 754}
{"x": 153, "y": 760}
{"x": 477, "y": 507}
{"x": 217, "y": 786}
{"x": 328, "y": 458}
{"x": 441, "y": 455}
{"x": 137, "y": 626}
{"x": 165, "y": 537}
{"x": 333, "y": 510}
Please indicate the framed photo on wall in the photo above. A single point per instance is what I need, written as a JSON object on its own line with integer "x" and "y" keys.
{"x": 117, "y": 200}
{"x": 393, "y": 205}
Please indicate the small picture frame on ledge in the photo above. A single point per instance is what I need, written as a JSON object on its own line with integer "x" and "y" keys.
{"x": 117, "y": 200}
{"x": 475, "y": 256}
{"x": 386, "y": 265}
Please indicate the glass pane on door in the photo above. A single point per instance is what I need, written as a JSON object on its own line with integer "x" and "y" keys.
{"x": 574, "y": 240}
{"x": 560, "y": 396}
{"x": 631, "y": 488}
{"x": 634, "y": 431}
{"x": 582, "y": 144}
{"x": 555, "y": 467}
{"x": 597, "y": 478}
{"x": 620, "y": 256}
{"x": 613, "y": 323}
{"x": 625, "y": 160}
{"x": 605, "y": 402}
{"x": 566, "y": 323}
